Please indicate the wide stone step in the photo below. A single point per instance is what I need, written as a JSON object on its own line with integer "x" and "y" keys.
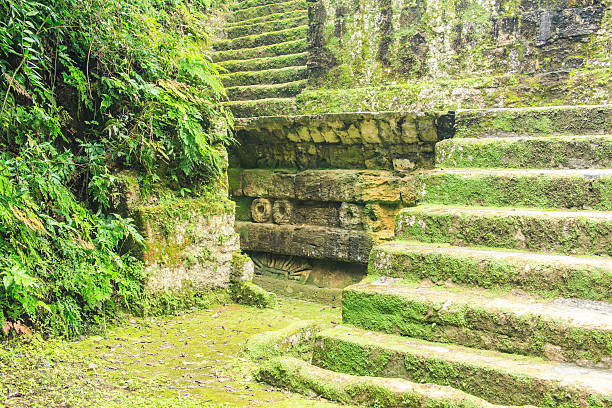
{"x": 572, "y": 152}
{"x": 550, "y": 120}
{"x": 566, "y": 232}
{"x": 268, "y": 76}
{"x": 268, "y": 26}
{"x": 497, "y": 377}
{"x": 543, "y": 188}
{"x": 578, "y": 331}
{"x": 252, "y": 41}
{"x": 306, "y": 240}
{"x": 250, "y": 92}
{"x": 262, "y": 107}
{"x": 264, "y": 10}
{"x": 274, "y": 50}
{"x": 536, "y": 273}
{"x": 254, "y": 64}
{"x": 301, "y": 376}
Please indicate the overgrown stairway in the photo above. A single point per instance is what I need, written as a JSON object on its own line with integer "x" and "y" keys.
{"x": 264, "y": 55}
{"x": 498, "y": 284}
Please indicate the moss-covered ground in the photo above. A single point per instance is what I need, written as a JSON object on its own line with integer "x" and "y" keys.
{"x": 190, "y": 360}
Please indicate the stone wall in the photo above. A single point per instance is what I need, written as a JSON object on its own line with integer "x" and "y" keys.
{"x": 385, "y": 140}
{"x": 368, "y": 41}
{"x": 315, "y": 193}
{"x": 424, "y": 55}
{"x": 187, "y": 245}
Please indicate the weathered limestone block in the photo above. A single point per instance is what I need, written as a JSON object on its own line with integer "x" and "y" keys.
{"x": 261, "y": 210}
{"x": 243, "y": 268}
{"x": 307, "y": 241}
{"x": 187, "y": 246}
{"x": 350, "y": 216}
{"x": 346, "y": 140}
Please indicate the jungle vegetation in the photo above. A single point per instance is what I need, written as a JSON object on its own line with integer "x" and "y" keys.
{"x": 89, "y": 88}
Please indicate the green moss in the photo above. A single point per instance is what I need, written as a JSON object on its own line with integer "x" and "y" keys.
{"x": 552, "y": 279}
{"x": 536, "y": 152}
{"x": 268, "y": 76}
{"x": 292, "y": 339}
{"x": 517, "y": 190}
{"x": 257, "y": 40}
{"x": 299, "y": 376}
{"x": 471, "y": 325}
{"x": 263, "y": 10}
{"x": 267, "y": 26}
{"x": 247, "y": 293}
{"x": 568, "y": 235}
{"x": 345, "y": 350}
{"x": 280, "y": 90}
{"x": 255, "y": 64}
{"x": 289, "y": 47}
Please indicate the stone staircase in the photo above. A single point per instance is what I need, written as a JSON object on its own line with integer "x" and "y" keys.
{"x": 264, "y": 55}
{"x": 498, "y": 283}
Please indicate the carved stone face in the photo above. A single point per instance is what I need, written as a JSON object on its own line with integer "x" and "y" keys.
{"x": 261, "y": 210}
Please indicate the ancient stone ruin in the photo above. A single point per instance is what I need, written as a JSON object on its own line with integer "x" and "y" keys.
{"x": 443, "y": 171}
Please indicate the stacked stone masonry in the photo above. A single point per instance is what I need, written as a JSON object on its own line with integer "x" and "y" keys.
{"x": 497, "y": 282}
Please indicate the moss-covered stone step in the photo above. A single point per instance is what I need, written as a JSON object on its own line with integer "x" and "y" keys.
{"x": 296, "y": 290}
{"x": 250, "y": 92}
{"x": 578, "y": 331}
{"x": 268, "y": 17}
{"x": 566, "y": 232}
{"x": 300, "y": 376}
{"x": 258, "y": 40}
{"x": 536, "y": 273}
{"x": 569, "y": 120}
{"x": 255, "y": 64}
{"x": 306, "y": 240}
{"x": 268, "y": 26}
{"x": 267, "y": 76}
{"x": 240, "y": 5}
{"x": 543, "y": 188}
{"x": 262, "y": 107}
{"x": 274, "y": 50}
{"x": 573, "y": 152}
{"x": 267, "y": 9}
{"x": 497, "y": 377}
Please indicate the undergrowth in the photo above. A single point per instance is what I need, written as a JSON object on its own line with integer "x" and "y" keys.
{"x": 88, "y": 88}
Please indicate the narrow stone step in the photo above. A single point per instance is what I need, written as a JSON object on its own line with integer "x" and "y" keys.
{"x": 268, "y": 17}
{"x": 543, "y": 188}
{"x": 265, "y": 27}
{"x": 497, "y": 377}
{"x": 262, "y": 107}
{"x": 259, "y": 11}
{"x": 240, "y": 5}
{"x": 536, "y": 273}
{"x": 572, "y": 152}
{"x": 274, "y": 50}
{"x": 549, "y": 120}
{"x": 309, "y": 241}
{"x": 255, "y": 64}
{"x": 258, "y": 40}
{"x": 251, "y": 92}
{"x": 267, "y": 76}
{"x": 566, "y": 232}
{"x": 301, "y": 376}
{"x": 296, "y": 290}
{"x": 577, "y": 331}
